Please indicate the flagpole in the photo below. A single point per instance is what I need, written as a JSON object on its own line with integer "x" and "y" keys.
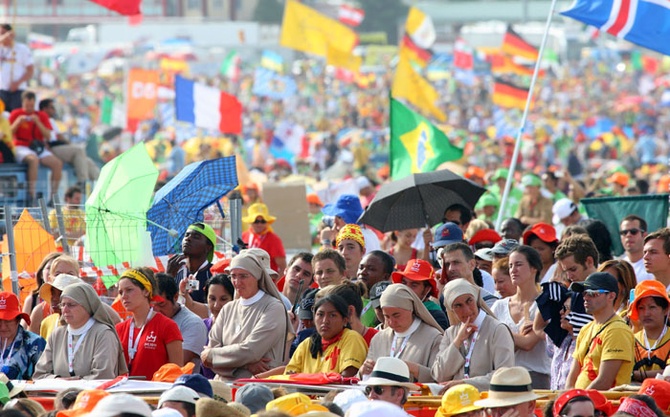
{"x": 517, "y": 145}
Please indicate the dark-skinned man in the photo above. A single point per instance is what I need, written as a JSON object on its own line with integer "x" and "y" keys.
{"x": 193, "y": 265}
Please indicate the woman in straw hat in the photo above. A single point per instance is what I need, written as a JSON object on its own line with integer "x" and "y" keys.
{"x": 260, "y": 235}
{"x": 21, "y": 348}
{"x": 650, "y": 308}
{"x": 88, "y": 347}
{"x": 412, "y": 334}
{"x": 251, "y": 333}
{"x": 149, "y": 340}
{"x": 476, "y": 343}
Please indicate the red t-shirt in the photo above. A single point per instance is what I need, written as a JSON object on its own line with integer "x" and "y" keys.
{"x": 28, "y": 129}
{"x": 269, "y": 242}
{"x": 151, "y": 351}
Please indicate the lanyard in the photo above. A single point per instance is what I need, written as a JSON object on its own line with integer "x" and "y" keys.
{"x": 402, "y": 346}
{"x": 366, "y": 308}
{"x": 646, "y": 341}
{"x": 468, "y": 356}
{"x": 186, "y": 271}
{"x": 72, "y": 351}
{"x": 4, "y": 359}
{"x": 133, "y": 347}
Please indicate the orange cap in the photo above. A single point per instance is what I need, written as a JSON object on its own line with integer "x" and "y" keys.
{"x": 84, "y": 404}
{"x": 171, "y": 371}
{"x": 648, "y": 288}
{"x": 314, "y": 199}
{"x": 619, "y": 178}
{"x": 417, "y": 270}
{"x": 663, "y": 184}
{"x": 474, "y": 172}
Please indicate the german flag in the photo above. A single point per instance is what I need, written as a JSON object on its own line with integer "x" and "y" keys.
{"x": 414, "y": 52}
{"x": 508, "y": 95}
{"x": 513, "y": 44}
{"x": 503, "y": 64}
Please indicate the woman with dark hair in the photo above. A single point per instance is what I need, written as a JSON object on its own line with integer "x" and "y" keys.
{"x": 40, "y": 277}
{"x": 572, "y": 403}
{"x": 518, "y": 313}
{"x": 149, "y": 340}
{"x": 220, "y": 291}
{"x": 542, "y": 238}
{"x": 600, "y": 236}
{"x": 334, "y": 347}
{"x": 353, "y": 293}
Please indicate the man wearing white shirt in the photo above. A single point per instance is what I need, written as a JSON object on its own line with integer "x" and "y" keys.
{"x": 633, "y": 230}
{"x": 16, "y": 68}
{"x": 656, "y": 255}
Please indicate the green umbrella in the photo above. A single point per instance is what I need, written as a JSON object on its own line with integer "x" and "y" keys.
{"x": 116, "y": 209}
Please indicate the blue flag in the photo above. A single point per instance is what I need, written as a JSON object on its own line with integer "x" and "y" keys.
{"x": 644, "y": 23}
{"x": 268, "y": 83}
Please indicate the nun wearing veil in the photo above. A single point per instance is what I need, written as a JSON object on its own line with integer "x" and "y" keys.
{"x": 86, "y": 346}
{"x": 476, "y": 344}
{"x": 251, "y": 333}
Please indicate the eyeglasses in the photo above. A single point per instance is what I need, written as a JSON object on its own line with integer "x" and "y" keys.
{"x": 634, "y": 231}
{"x": 594, "y": 293}
{"x": 63, "y": 306}
{"x": 378, "y": 389}
{"x": 260, "y": 221}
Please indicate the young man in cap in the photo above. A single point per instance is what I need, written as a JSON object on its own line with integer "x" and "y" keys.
{"x": 565, "y": 213}
{"x": 633, "y": 230}
{"x": 604, "y": 352}
{"x": 180, "y": 398}
{"x": 510, "y": 394}
{"x": 376, "y": 292}
{"x": 346, "y": 210}
{"x": 194, "y": 263}
{"x": 656, "y": 255}
{"x": 389, "y": 381}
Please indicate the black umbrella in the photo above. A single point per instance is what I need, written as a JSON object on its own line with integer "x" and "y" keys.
{"x": 419, "y": 200}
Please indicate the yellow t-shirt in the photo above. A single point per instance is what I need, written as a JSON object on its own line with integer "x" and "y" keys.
{"x": 350, "y": 350}
{"x": 596, "y": 343}
{"x": 48, "y": 324}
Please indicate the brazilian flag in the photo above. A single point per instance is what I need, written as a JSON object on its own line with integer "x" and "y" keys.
{"x": 416, "y": 144}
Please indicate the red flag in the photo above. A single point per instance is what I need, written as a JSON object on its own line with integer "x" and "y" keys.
{"x": 463, "y": 58}
{"x": 124, "y": 7}
{"x": 351, "y": 16}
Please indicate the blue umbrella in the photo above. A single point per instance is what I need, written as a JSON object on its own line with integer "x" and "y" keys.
{"x": 184, "y": 198}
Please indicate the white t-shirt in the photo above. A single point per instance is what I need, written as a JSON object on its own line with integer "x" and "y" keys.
{"x": 535, "y": 359}
{"x": 193, "y": 331}
{"x": 550, "y": 273}
{"x": 13, "y": 64}
{"x": 641, "y": 273}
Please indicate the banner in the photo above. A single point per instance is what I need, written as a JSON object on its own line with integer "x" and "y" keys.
{"x": 142, "y": 93}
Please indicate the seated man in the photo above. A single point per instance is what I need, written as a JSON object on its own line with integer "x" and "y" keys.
{"x": 31, "y": 130}
{"x": 84, "y": 167}
{"x": 510, "y": 394}
{"x": 389, "y": 381}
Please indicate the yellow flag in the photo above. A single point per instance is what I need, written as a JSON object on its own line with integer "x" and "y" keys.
{"x": 307, "y": 30}
{"x": 411, "y": 86}
{"x": 343, "y": 59}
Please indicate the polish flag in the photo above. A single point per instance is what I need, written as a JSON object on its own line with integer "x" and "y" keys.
{"x": 351, "y": 16}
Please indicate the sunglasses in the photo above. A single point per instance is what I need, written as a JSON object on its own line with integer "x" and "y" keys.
{"x": 378, "y": 389}
{"x": 633, "y": 231}
{"x": 260, "y": 221}
{"x": 594, "y": 293}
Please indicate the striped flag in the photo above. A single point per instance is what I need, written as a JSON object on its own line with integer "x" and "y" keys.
{"x": 513, "y": 44}
{"x": 349, "y": 15}
{"x": 508, "y": 95}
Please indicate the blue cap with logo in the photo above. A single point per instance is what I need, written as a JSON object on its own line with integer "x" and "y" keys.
{"x": 446, "y": 234}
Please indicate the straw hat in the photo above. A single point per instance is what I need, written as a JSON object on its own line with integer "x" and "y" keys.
{"x": 390, "y": 371}
{"x": 258, "y": 210}
{"x": 60, "y": 282}
{"x": 207, "y": 407}
{"x": 509, "y": 386}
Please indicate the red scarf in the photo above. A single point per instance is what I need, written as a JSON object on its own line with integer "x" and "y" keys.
{"x": 325, "y": 343}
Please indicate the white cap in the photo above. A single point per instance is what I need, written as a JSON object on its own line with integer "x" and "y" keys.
{"x": 115, "y": 404}
{"x": 562, "y": 209}
{"x": 349, "y": 397}
{"x": 166, "y": 412}
{"x": 363, "y": 182}
{"x": 179, "y": 393}
{"x": 485, "y": 254}
{"x": 375, "y": 408}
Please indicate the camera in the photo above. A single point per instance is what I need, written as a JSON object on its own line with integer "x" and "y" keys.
{"x": 193, "y": 285}
{"x": 328, "y": 221}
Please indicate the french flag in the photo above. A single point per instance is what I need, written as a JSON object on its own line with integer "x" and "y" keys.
{"x": 207, "y": 107}
{"x": 642, "y": 22}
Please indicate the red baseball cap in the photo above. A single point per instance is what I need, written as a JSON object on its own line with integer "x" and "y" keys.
{"x": 485, "y": 235}
{"x": 545, "y": 232}
{"x": 9, "y": 307}
{"x": 417, "y": 270}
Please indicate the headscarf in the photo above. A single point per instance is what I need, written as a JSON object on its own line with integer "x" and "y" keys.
{"x": 455, "y": 289}
{"x": 84, "y": 295}
{"x": 401, "y": 296}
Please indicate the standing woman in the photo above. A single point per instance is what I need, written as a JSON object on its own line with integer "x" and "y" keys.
{"x": 88, "y": 347}
{"x": 518, "y": 313}
{"x": 21, "y": 349}
{"x": 149, "y": 339}
{"x": 252, "y": 333}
